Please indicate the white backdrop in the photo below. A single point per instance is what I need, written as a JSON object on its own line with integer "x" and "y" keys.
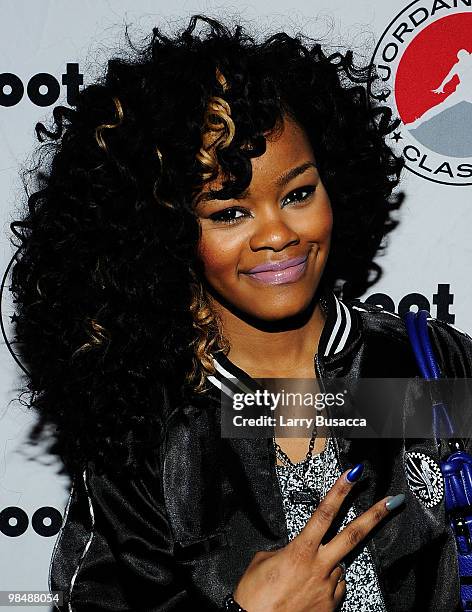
{"x": 428, "y": 254}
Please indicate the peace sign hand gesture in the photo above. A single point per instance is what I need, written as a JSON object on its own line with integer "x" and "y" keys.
{"x": 305, "y": 575}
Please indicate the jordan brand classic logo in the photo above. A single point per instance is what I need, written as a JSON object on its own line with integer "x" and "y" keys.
{"x": 424, "y": 478}
{"x": 424, "y": 64}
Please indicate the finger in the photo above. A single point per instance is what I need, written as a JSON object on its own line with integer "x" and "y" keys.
{"x": 339, "y": 593}
{"x": 336, "y": 576}
{"x": 349, "y": 537}
{"x": 321, "y": 519}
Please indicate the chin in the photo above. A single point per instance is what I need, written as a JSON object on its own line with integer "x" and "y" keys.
{"x": 277, "y": 310}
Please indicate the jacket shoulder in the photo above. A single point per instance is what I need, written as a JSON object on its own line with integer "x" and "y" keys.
{"x": 452, "y": 345}
{"x": 376, "y": 321}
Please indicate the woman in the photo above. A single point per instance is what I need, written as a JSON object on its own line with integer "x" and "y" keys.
{"x": 204, "y": 200}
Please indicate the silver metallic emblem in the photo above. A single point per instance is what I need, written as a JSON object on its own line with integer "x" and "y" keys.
{"x": 424, "y": 478}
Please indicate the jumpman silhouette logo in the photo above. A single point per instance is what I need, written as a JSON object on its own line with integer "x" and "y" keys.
{"x": 463, "y": 92}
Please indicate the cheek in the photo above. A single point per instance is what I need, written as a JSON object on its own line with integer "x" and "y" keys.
{"x": 323, "y": 221}
{"x": 219, "y": 255}
{"x": 317, "y": 227}
{"x": 326, "y": 223}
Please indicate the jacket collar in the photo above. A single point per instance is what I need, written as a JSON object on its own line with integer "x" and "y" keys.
{"x": 340, "y": 332}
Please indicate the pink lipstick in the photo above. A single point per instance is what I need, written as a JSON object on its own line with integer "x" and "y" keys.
{"x": 276, "y": 273}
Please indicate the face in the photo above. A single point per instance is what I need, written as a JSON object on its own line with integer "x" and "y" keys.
{"x": 284, "y": 219}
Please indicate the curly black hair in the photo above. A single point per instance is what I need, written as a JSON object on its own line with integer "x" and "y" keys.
{"x": 110, "y": 318}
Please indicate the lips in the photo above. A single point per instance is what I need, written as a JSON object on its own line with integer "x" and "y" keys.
{"x": 276, "y": 273}
{"x": 278, "y": 265}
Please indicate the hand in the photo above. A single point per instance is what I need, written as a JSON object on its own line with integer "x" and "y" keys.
{"x": 439, "y": 90}
{"x": 303, "y": 575}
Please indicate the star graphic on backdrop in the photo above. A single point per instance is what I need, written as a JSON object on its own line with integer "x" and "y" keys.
{"x": 397, "y": 136}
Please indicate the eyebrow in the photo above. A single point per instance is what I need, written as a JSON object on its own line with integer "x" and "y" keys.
{"x": 281, "y": 181}
{"x": 288, "y": 176}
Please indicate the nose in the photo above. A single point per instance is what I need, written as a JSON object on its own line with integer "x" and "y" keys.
{"x": 271, "y": 231}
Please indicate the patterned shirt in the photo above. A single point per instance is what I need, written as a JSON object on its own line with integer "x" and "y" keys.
{"x": 362, "y": 588}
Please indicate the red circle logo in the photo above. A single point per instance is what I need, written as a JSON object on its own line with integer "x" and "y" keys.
{"x": 424, "y": 60}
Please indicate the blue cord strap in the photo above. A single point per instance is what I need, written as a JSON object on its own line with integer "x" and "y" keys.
{"x": 457, "y": 467}
{"x": 417, "y": 328}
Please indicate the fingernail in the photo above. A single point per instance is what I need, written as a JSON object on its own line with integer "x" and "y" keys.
{"x": 355, "y": 473}
{"x": 395, "y": 501}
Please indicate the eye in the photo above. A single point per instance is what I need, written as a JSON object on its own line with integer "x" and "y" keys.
{"x": 227, "y": 215}
{"x": 299, "y": 195}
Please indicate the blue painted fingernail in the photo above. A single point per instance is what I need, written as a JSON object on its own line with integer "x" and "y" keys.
{"x": 395, "y": 501}
{"x": 355, "y": 473}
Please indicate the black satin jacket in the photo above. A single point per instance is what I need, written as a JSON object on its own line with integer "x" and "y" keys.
{"x": 180, "y": 536}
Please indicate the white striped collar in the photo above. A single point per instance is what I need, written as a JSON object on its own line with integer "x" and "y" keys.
{"x": 340, "y": 326}
{"x": 340, "y": 329}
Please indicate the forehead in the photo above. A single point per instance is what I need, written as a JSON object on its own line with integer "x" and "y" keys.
{"x": 286, "y": 148}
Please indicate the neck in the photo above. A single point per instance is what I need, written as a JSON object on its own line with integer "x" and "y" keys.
{"x": 276, "y": 350}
